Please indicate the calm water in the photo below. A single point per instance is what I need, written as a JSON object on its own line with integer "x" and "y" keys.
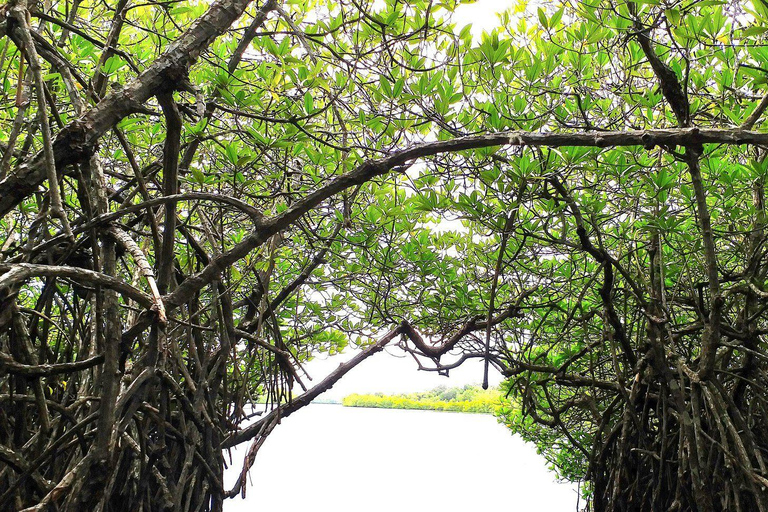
{"x": 329, "y": 457}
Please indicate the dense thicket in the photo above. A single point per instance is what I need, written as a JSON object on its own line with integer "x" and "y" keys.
{"x": 197, "y": 197}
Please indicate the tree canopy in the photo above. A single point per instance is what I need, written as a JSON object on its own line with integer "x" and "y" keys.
{"x": 198, "y": 197}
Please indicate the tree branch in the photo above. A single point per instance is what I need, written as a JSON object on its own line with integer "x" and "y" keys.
{"x": 10, "y": 365}
{"x": 77, "y": 140}
{"x": 16, "y": 273}
{"x": 327, "y": 383}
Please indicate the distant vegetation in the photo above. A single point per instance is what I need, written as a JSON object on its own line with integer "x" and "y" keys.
{"x": 465, "y": 399}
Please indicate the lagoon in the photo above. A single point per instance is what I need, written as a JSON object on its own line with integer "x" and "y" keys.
{"x": 329, "y": 457}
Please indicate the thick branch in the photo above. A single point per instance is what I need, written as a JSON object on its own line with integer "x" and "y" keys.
{"x": 671, "y": 87}
{"x": 78, "y": 139}
{"x": 170, "y": 187}
{"x": 374, "y": 168}
{"x": 10, "y": 365}
{"x": 48, "y": 164}
{"x": 477, "y": 323}
{"x": 145, "y": 269}
{"x": 323, "y": 386}
{"x": 711, "y": 338}
{"x": 19, "y": 272}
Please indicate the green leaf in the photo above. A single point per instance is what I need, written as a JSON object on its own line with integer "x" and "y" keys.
{"x": 309, "y": 103}
{"x": 542, "y": 18}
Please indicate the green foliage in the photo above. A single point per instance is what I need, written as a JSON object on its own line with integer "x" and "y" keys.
{"x": 553, "y": 445}
{"x": 472, "y": 399}
{"x": 605, "y": 284}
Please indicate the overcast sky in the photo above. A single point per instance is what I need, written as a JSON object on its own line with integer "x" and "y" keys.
{"x": 481, "y": 14}
{"x": 391, "y": 371}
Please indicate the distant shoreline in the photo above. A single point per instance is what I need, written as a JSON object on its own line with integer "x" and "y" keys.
{"x": 411, "y": 409}
{"x": 469, "y": 399}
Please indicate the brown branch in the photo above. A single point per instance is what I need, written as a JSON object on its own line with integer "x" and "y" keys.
{"x": 250, "y": 33}
{"x": 756, "y": 114}
{"x": 711, "y": 337}
{"x": 570, "y": 380}
{"x": 19, "y": 272}
{"x": 170, "y": 187}
{"x": 19, "y": 464}
{"x": 10, "y": 365}
{"x": 671, "y": 87}
{"x": 22, "y": 104}
{"x": 77, "y": 141}
{"x": 601, "y": 257}
{"x": 116, "y": 26}
{"x": 374, "y": 168}
{"x": 497, "y": 272}
{"x": 23, "y": 38}
{"x": 478, "y": 323}
{"x": 327, "y": 383}
{"x": 128, "y": 243}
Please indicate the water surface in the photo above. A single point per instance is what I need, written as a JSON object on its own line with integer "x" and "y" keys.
{"x": 329, "y": 457}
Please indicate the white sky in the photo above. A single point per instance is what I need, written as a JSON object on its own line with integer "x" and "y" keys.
{"x": 391, "y": 371}
{"x": 481, "y": 14}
